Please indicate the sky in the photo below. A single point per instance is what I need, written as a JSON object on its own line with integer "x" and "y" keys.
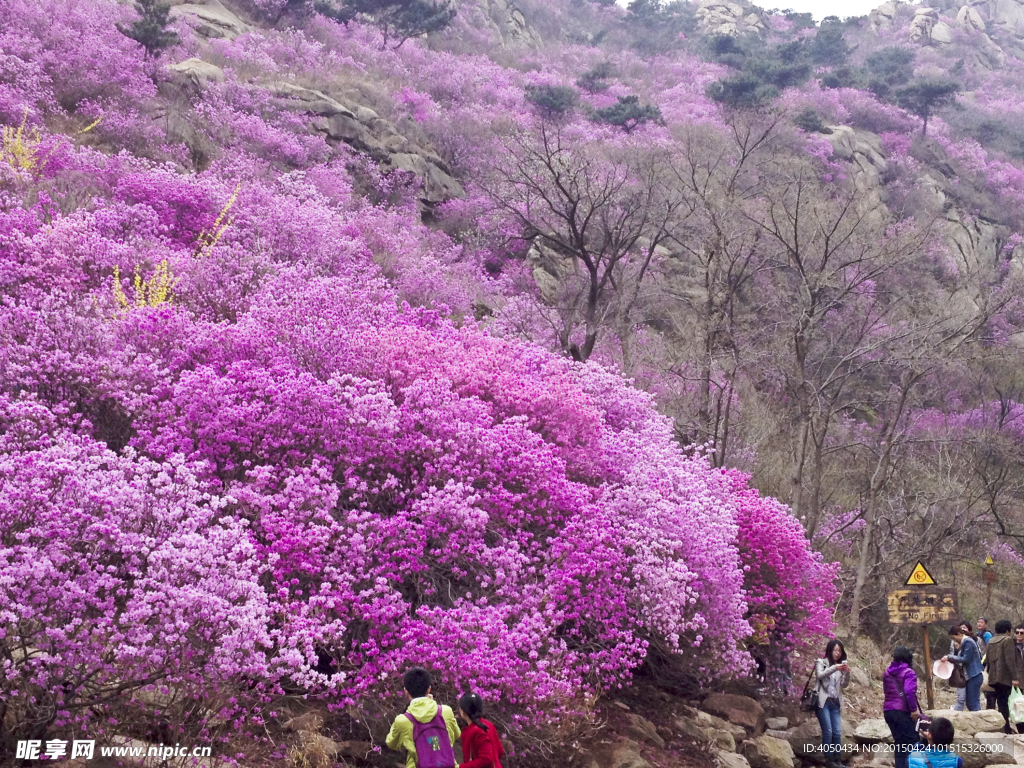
{"x": 822, "y": 8}
{"x": 819, "y": 8}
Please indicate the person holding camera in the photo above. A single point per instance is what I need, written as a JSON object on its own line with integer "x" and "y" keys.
{"x": 833, "y": 674}
{"x": 936, "y": 753}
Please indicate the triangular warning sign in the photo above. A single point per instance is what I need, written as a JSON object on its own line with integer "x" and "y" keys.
{"x": 919, "y": 576}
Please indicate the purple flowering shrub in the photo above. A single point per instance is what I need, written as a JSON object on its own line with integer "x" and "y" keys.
{"x": 400, "y": 489}
{"x": 782, "y": 577}
{"x": 304, "y": 447}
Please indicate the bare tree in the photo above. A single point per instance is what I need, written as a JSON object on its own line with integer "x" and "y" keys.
{"x": 602, "y": 207}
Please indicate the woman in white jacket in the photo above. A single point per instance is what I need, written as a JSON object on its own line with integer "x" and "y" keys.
{"x": 833, "y": 674}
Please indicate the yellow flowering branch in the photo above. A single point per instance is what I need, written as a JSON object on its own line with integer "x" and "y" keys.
{"x": 209, "y": 238}
{"x": 19, "y": 148}
{"x": 152, "y": 292}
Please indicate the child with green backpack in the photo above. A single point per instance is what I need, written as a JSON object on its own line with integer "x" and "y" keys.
{"x": 426, "y": 730}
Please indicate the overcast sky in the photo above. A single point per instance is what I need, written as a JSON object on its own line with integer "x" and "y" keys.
{"x": 819, "y": 8}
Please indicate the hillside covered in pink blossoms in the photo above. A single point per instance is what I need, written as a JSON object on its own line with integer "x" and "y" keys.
{"x": 557, "y": 346}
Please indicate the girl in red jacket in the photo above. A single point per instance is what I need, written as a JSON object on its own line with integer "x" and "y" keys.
{"x": 481, "y": 747}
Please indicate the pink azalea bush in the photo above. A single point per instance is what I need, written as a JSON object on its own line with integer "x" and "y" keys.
{"x": 307, "y": 448}
{"x": 398, "y": 488}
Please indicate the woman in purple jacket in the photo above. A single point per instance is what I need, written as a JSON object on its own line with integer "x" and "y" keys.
{"x": 901, "y": 710}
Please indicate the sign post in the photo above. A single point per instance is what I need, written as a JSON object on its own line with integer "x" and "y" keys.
{"x": 990, "y": 579}
{"x": 923, "y": 602}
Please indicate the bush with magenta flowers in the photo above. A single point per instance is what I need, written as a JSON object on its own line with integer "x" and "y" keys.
{"x": 308, "y": 448}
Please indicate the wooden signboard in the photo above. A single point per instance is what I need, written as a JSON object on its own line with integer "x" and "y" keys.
{"x": 923, "y": 605}
{"x": 923, "y": 602}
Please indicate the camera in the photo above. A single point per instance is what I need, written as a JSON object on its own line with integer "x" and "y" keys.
{"x": 923, "y": 726}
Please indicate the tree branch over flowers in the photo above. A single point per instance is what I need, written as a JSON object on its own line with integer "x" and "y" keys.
{"x": 603, "y": 203}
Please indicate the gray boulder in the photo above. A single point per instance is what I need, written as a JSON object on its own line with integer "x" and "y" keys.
{"x": 873, "y": 731}
{"x": 739, "y": 710}
{"x": 768, "y": 752}
{"x": 970, "y": 723}
{"x": 643, "y": 730}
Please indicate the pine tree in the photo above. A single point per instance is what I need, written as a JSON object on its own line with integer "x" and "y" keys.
{"x": 397, "y": 19}
{"x": 150, "y": 30}
{"x": 926, "y": 96}
{"x": 552, "y": 100}
{"x": 629, "y": 113}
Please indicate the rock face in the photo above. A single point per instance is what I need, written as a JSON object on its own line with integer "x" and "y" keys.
{"x": 195, "y": 73}
{"x": 969, "y": 19}
{"x": 739, "y": 710}
{"x": 721, "y": 17}
{"x": 210, "y": 19}
{"x": 1006, "y": 16}
{"x": 988, "y": 53}
{"x": 510, "y": 24}
{"x": 926, "y": 29}
{"x": 364, "y": 130}
{"x": 768, "y": 752}
{"x": 884, "y": 15}
{"x": 777, "y": 723}
{"x": 864, "y": 150}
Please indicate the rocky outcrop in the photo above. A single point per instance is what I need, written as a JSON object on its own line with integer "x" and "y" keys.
{"x": 1005, "y": 16}
{"x": 988, "y": 54}
{"x": 969, "y": 19}
{"x": 210, "y": 19}
{"x": 509, "y": 23}
{"x": 364, "y": 130}
{"x": 863, "y": 150}
{"x": 884, "y": 15}
{"x": 927, "y": 29}
{"x": 195, "y": 74}
{"x": 721, "y": 17}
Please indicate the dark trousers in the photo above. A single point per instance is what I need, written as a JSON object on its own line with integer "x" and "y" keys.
{"x": 904, "y": 734}
{"x": 1003, "y": 704}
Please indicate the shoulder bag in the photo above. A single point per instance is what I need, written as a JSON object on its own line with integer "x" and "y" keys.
{"x": 809, "y": 698}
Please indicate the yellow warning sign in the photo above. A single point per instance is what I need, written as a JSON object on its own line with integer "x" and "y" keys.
{"x": 920, "y": 577}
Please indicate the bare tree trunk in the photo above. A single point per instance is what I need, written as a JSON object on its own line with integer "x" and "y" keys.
{"x": 799, "y": 460}
{"x": 814, "y": 507}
